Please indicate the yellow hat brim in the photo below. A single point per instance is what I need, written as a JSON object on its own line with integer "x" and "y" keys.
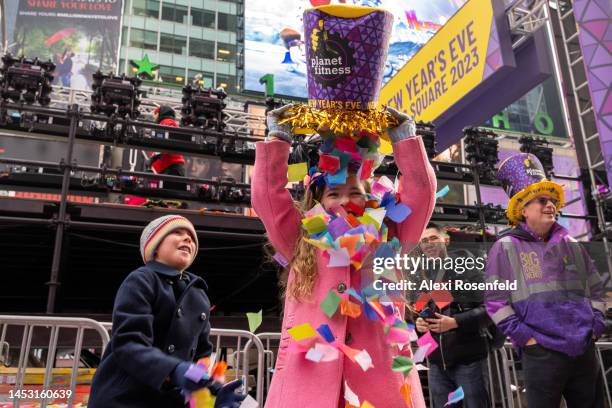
{"x": 544, "y": 187}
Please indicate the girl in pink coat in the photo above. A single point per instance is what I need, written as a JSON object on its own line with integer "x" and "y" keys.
{"x": 298, "y": 382}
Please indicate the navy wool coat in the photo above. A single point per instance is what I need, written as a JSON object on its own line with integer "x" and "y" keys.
{"x": 152, "y": 333}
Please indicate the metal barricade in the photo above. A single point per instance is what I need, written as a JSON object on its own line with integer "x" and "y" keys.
{"x": 241, "y": 356}
{"x": 270, "y": 342}
{"x": 53, "y": 325}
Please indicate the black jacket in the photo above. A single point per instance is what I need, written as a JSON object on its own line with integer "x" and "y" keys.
{"x": 152, "y": 333}
{"x": 468, "y": 342}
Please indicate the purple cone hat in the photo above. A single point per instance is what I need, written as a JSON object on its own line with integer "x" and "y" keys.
{"x": 523, "y": 178}
{"x": 346, "y": 50}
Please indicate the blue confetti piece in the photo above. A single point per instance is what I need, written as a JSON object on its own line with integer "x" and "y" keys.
{"x": 326, "y": 333}
{"x": 442, "y": 192}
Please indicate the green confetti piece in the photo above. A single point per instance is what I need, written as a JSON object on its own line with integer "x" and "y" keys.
{"x": 330, "y": 303}
{"x": 254, "y": 320}
{"x": 402, "y": 364}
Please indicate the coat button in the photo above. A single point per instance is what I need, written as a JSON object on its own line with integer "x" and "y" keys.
{"x": 170, "y": 281}
{"x": 203, "y": 316}
{"x": 171, "y": 348}
{"x": 179, "y": 312}
{"x": 341, "y": 287}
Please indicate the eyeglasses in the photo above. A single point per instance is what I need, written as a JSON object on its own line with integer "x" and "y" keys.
{"x": 544, "y": 200}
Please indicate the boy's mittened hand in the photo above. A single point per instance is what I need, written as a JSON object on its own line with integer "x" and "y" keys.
{"x": 185, "y": 384}
{"x": 227, "y": 397}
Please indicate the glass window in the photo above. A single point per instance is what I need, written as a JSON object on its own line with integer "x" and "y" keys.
{"x": 204, "y": 79}
{"x": 147, "y": 8}
{"x": 228, "y": 82}
{"x": 171, "y": 74}
{"x": 226, "y": 52}
{"x": 201, "y": 48}
{"x": 172, "y": 43}
{"x": 227, "y": 22}
{"x": 174, "y": 13}
{"x": 142, "y": 39}
{"x": 203, "y": 18}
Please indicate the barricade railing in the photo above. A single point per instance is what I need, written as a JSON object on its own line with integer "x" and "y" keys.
{"x": 270, "y": 342}
{"x": 51, "y": 327}
{"x": 241, "y": 355}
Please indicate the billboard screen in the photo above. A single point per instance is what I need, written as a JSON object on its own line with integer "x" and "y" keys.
{"x": 79, "y": 36}
{"x": 274, "y": 43}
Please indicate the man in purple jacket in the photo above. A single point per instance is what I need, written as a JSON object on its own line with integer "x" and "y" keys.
{"x": 557, "y": 311}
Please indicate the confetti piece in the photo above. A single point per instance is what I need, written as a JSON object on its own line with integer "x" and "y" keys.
{"x": 338, "y": 227}
{"x": 421, "y": 367}
{"x": 366, "y": 404}
{"x": 442, "y": 298}
{"x": 297, "y": 172}
{"x": 302, "y": 331}
{"x": 382, "y": 185}
{"x": 442, "y": 192}
{"x": 255, "y": 320}
{"x": 354, "y": 294}
{"x": 330, "y": 303}
{"x": 249, "y": 402}
{"x": 315, "y": 225}
{"x": 278, "y": 257}
{"x": 316, "y": 210}
{"x": 402, "y": 364}
{"x": 339, "y": 257}
{"x": 329, "y": 163}
{"x": 350, "y": 397}
{"x": 196, "y": 372}
{"x": 398, "y": 336}
{"x": 365, "y": 170}
{"x": 330, "y": 353}
{"x": 314, "y": 355}
{"x": 427, "y": 339}
{"x": 350, "y": 309}
{"x": 338, "y": 178}
{"x": 421, "y": 353}
{"x": 398, "y": 212}
{"x": 455, "y": 396}
{"x": 364, "y": 360}
{"x": 406, "y": 394}
{"x": 326, "y": 333}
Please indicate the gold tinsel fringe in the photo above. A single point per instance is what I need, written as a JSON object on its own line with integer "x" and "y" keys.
{"x": 304, "y": 118}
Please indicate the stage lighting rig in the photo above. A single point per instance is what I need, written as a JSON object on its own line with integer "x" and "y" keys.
{"x": 481, "y": 148}
{"x": 203, "y": 108}
{"x": 539, "y": 148}
{"x": 115, "y": 95}
{"x": 26, "y": 80}
{"x": 427, "y": 131}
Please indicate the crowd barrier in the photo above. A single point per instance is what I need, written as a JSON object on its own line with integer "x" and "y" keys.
{"x": 251, "y": 357}
{"x": 33, "y": 337}
{"x": 40, "y": 338}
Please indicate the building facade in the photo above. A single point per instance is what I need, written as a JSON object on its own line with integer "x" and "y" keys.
{"x": 188, "y": 39}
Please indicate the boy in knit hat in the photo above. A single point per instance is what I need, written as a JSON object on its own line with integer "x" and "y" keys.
{"x": 160, "y": 327}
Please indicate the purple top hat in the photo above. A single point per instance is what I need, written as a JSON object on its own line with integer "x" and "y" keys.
{"x": 523, "y": 178}
{"x": 346, "y": 49}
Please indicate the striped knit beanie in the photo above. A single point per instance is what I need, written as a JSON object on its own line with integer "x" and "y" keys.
{"x": 156, "y": 231}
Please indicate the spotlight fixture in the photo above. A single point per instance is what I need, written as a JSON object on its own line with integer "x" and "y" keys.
{"x": 115, "y": 95}
{"x": 26, "y": 80}
{"x": 203, "y": 108}
{"x": 539, "y": 148}
{"x": 427, "y": 131}
{"x": 481, "y": 148}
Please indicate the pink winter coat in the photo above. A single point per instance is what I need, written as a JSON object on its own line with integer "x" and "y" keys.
{"x": 298, "y": 382}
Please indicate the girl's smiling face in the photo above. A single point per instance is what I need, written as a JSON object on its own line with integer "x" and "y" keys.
{"x": 352, "y": 191}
